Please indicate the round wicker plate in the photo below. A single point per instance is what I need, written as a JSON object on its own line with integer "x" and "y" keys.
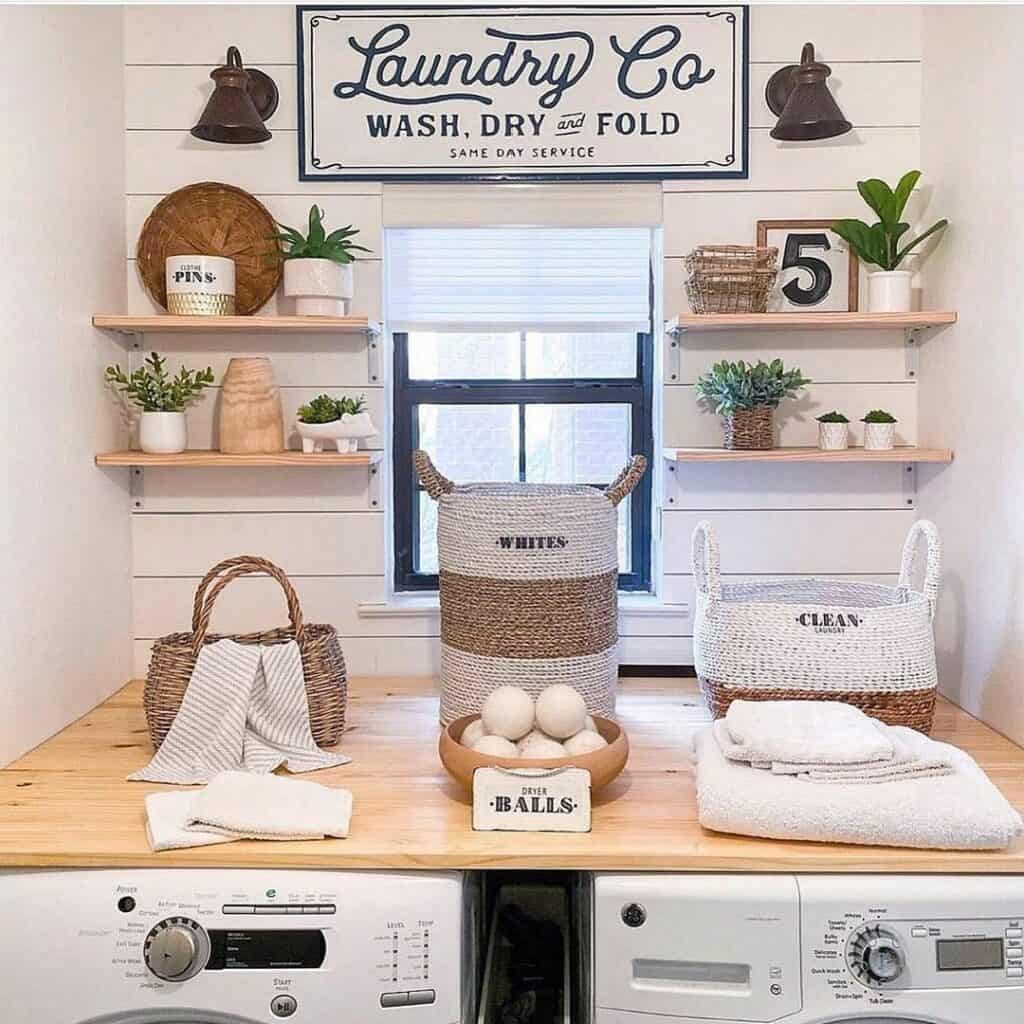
{"x": 212, "y": 219}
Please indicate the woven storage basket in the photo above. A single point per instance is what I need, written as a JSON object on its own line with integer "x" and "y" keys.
{"x": 730, "y": 278}
{"x": 808, "y": 639}
{"x": 529, "y": 587}
{"x": 750, "y": 428}
{"x": 174, "y": 656}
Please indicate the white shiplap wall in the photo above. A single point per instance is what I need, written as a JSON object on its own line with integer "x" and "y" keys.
{"x": 320, "y": 526}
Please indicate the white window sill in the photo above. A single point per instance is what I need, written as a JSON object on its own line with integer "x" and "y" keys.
{"x": 633, "y": 606}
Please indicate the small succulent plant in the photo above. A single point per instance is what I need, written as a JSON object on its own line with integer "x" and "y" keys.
{"x": 878, "y": 416}
{"x": 325, "y": 409}
{"x": 316, "y": 244}
{"x": 732, "y": 386}
{"x": 152, "y": 389}
{"x": 833, "y": 417}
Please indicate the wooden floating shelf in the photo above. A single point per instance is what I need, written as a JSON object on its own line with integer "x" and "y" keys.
{"x": 810, "y": 321}
{"x": 901, "y": 454}
{"x": 213, "y": 459}
{"x": 233, "y": 324}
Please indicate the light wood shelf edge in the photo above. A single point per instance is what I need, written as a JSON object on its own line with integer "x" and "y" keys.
{"x": 215, "y": 459}
{"x": 813, "y": 321}
{"x": 807, "y": 454}
{"x": 167, "y": 324}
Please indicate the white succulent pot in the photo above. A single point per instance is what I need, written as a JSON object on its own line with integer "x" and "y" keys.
{"x": 833, "y": 437}
{"x": 889, "y": 291}
{"x": 319, "y": 287}
{"x": 163, "y": 433}
{"x": 879, "y": 437}
{"x": 345, "y": 434}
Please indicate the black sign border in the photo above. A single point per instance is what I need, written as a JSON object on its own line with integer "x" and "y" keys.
{"x": 518, "y": 10}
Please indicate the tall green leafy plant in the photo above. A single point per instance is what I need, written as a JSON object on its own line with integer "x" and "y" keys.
{"x": 152, "y": 389}
{"x": 879, "y": 243}
{"x": 729, "y": 387}
{"x": 316, "y": 244}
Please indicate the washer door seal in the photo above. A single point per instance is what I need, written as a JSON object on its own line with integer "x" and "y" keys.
{"x": 170, "y": 1016}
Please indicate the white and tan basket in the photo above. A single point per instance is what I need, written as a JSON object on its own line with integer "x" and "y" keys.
{"x": 529, "y": 587}
{"x": 814, "y": 639}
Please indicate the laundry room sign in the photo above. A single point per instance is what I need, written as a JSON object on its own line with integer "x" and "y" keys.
{"x": 434, "y": 93}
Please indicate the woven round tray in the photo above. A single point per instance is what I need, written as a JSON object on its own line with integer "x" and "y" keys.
{"x": 212, "y": 219}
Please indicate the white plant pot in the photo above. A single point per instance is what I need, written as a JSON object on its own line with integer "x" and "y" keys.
{"x": 833, "y": 437}
{"x": 889, "y": 291}
{"x": 345, "y": 434}
{"x": 879, "y": 437}
{"x": 319, "y": 287}
{"x": 163, "y": 433}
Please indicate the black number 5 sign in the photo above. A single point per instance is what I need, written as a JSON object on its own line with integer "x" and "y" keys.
{"x": 817, "y": 270}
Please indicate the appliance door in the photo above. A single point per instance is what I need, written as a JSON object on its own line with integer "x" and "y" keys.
{"x": 165, "y": 1016}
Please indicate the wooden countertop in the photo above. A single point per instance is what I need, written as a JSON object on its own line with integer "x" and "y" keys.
{"x": 67, "y": 802}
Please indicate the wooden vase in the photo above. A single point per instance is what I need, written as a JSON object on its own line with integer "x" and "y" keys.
{"x": 251, "y": 419}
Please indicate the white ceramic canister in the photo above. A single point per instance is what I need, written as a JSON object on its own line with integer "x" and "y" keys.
{"x": 163, "y": 433}
{"x": 889, "y": 291}
{"x": 879, "y": 437}
{"x": 833, "y": 437}
{"x": 200, "y": 285}
{"x": 319, "y": 287}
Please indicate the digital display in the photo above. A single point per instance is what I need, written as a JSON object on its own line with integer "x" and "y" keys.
{"x": 969, "y": 954}
{"x": 266, "y": 949}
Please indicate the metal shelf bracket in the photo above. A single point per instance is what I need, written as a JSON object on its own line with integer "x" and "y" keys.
{"x": 137, "y": 487}
{"x": 674, "y": 335}
{"x": 373, "y": 489}
{"x": 912, "y": 349}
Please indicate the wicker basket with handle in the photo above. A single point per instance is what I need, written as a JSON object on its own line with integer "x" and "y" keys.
{"x": 174, "y": 656}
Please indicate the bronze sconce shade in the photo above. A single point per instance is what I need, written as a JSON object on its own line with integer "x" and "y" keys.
{"x": 799, "y": 97}
{"x": 243, "y": 98}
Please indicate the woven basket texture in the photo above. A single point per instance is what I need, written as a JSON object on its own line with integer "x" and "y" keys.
{"x": 730, "y": 278}
{"x": 212, "y": 219}
{"x": 867, "y": 644}
{"x": 174, "y": 656}
{"x": 750, "y": 428}
{"x": 529, "y": 584}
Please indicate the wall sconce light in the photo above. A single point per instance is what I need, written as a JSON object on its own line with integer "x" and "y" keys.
{"x": 243, "y": 98}
{"x": 798, "y": 96}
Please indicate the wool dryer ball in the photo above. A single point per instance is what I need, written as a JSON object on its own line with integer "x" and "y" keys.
{"x": 473, "y": 732}
{"x": 533, "y": 734}
{"x": 542, "y": 747}
{"x": 561, "y": 711}
{"x": 495, "y": 746}
{"x": 584, "y": 742}
{"x": 508, "y": 712}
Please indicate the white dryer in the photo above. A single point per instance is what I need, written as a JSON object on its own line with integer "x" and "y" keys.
{"x": 808, "y": 949}
{"x": 184, "y": 946}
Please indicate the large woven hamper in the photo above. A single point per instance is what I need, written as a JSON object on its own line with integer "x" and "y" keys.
{"x": 529, "y": 585}
{"x": 867, "y": 644}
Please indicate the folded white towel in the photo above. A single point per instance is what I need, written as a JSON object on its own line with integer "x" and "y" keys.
{"x": 167, "y": 816}
{"x": 962, "y": 811}
{"x": 245, "y": 706}
{"x": 245, "y": 806}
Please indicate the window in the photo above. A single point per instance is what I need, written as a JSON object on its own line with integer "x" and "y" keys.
{"x": 561, "y": 396}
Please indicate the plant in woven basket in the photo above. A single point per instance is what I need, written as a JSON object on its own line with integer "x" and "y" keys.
{"x": 833, "y": 431}
{"x": 340, "y": 420}
{"x": 879, "y": 430}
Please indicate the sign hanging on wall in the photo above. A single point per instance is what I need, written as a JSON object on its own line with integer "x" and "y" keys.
{"x": 437, "y": 94}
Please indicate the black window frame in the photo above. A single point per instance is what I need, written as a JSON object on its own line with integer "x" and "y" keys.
{"x": 408, "y": 394}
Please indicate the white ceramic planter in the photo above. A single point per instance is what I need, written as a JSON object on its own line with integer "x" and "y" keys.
{"x": 163, "y": 433}
{"x": 319, "y": 287}
{"x": 889, "y": 291}
{"x": 345, "y": 434}
{"x": 833, "y": 437}
{"x": 879, "y": 437}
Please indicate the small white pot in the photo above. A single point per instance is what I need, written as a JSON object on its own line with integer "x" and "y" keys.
{"x": 833, "y": 437}
{"x": 889, "y": 291}
{"x": 163, "y": 433}
{"x": 319, "y": 287}
{"x": 345, "y": 434}
{"x": 879, "y": 437}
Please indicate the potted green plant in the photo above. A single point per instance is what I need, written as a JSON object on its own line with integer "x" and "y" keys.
{"x": 318, "y": 266}
{"x": 879, "y": 244}
{"x": 746, "y": 396}
{"x": 341, "y": 421}
{"x": 879, "y": 430}
{"x": 833, "y": 432}
{"x": 162, "y": 400}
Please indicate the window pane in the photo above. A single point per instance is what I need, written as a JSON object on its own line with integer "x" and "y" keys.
{"x": 434, "y": 356}
{"x": 580, "y": 355}
{"x": 625, "y": 535}
{"x": 576, "y": 444}
{"x": 425, "y": 558}
{"x": 472, "y": 442}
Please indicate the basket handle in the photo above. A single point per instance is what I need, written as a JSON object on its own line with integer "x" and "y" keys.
{"x": 220, "y": 576}
{"x": 624, "y": 483}
{"x": 707, "y": 572}
{"x": 908, "y": 562}
{"x": 434, "y": 482}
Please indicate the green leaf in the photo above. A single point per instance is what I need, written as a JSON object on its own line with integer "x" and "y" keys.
{"x": 903, "y": 190}
{"x": 879, "y": 197}
{"x": 906, "y": 250}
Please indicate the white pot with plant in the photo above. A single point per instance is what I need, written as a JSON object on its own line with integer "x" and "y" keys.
{"x": 342, "y": 422}
{"x": 318, "y": 266}
{"x": 879, "y": 244}
{"x": 879, "y": 431}
{"x": 162, "y": 400}
{"x": 833, "y": 432}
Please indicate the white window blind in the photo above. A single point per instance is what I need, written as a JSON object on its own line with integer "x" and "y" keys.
{"x": 450, "y": 279}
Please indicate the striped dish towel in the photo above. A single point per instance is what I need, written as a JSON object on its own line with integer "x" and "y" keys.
{"x": 245, "y": 707}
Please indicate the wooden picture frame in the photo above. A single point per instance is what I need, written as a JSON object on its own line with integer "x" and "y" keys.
{"x": 853, "y": 272}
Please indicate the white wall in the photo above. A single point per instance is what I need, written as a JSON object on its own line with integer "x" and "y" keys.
{"x": 973, "y": 159}
{"x": 65, "y": 569}
{"x": 321, "y": 527}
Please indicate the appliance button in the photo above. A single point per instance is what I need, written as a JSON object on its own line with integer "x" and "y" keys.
{"x": 422, "y": 997}
{"x": 394, "y": 999}
{"x": 126, "y": 904}
{"x": 270, "y": 908}
{"x": 327, "y": 908}
{"x": 774, "y": 972}
{"x": 238, "y": 908}
{"x": 1015, "y": 954}
{"x": 918, "y": 931}
{"x": 1015, "y": 933}
{"x": 633, "y": 915}
{"x": 1015, "y": 972}
{"x": 310, "y": 908}
{"x": 293, "y": 908}
{"x": 283, "y": 1006}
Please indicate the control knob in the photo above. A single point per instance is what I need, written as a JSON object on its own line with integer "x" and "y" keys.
{"x": 176, "y": 949}
{"x": 874, "y": 955}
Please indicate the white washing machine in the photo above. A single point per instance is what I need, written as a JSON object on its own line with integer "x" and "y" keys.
{"x": 808, "y": 949}
{"x": 186, "y": 946}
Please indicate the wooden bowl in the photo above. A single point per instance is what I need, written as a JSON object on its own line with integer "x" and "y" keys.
{"x": 603, "y": 765}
